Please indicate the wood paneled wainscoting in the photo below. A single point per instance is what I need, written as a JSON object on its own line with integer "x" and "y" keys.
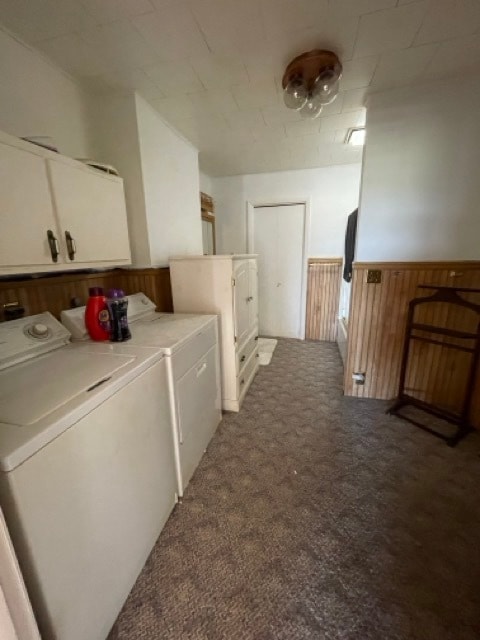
{"x": 376, "y": 328}
{"x": 323, "y": 298}
{"x": 54, "y": 293}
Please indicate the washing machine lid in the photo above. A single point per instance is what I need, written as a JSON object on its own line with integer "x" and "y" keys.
{"x": 168, "y": 331}
{"x": 32, "y": 390}
{"x": 42, "y": 398}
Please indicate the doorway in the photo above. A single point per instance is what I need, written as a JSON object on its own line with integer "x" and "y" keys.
{"x": 277, "y": 234}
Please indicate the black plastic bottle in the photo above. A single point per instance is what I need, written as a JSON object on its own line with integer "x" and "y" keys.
{"x": 117, "y": 305}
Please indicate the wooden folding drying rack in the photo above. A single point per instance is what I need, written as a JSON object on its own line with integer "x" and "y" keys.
{"x": 468, "y": 342}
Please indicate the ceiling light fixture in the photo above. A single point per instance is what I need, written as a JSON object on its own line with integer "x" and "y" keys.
{"x": 310, "y": 81}
{"x": 356, "y": 137}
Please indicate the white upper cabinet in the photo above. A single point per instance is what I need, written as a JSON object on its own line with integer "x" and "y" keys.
{"x": 26, "y": 211}
{"x": 57, "y": 213}
{"x": 91, "y": 213}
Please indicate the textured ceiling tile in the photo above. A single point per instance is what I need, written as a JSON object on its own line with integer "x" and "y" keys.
{"x": 229, "y": 24}
{"x": 174, "y": 77}
{"x": 389, "y": 29}
{"x": 217, "y": 101}
{"x": 279, "y": 115}
{"x": 286, "y": 16}
{"x": 334, "y": 107}
{"x": 354, "y": 99}
{"x": 270, "y": 135}
{"x": 201, "y": 129}
{"x": 255, "y": 95}
{"x": 44, "y": 19}
{"x": 459, "y": 56}
{"x": 174, "y": 109}
{"x": 340, "y": 135}
{"x": 103, "y": 11}
{"x": 400, "y": 68}
{"x": 133, "y": 8}
{"x": 343, "y": 120}
{"x": 250, "y": 120}
{"x": 172, "y": 32}
{"x": 302, "y": 128}
{"x": 358, "y": 73}
{"x": 75, "y": 55}
{"x": 220, "y": 71}
{"x": 357, "y": 7}
{"x": 136, "y": 79}
{"x": 346, "y": 155}
{"x": 331, "y": 32}
{"x": 449, "y": 19}
{"x": 120, "y": 43}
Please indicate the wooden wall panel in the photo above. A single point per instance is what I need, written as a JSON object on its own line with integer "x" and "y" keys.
{"x": 323, "y": 297}
{"x": 376, "y": 332}
{"x": 55, "y": 292}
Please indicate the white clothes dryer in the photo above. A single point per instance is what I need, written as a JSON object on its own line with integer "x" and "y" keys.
{"x": 190, "y": 345}
{"x": 87, "y": 475}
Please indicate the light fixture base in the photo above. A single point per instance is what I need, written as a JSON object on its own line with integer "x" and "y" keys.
{"x": 310, "y": 64}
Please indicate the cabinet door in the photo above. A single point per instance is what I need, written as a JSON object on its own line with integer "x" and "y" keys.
{"x": 91, "y": 212}
{"x": 252, "y": 295}
{"x": 26, "y": 210}
{"x": 241, "y": 300}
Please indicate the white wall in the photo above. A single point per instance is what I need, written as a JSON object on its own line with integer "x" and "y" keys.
{"x": 332, "y": 191}
{"x": 421, "y": 174}
{"x": 205, "y": 183}
{"x": 117, "y": 144}
{"x": 161, "y": 178}
{"x": 37, "y": 98}
{"x": 171, "y": 187}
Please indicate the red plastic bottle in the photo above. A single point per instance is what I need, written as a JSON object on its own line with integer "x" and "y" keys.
{"x": 97, "y": 319}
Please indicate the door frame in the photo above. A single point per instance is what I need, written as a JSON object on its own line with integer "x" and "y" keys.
{"x": 274, "y": 202}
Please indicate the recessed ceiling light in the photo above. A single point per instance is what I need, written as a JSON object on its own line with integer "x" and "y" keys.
{"x": 356, "y": 137}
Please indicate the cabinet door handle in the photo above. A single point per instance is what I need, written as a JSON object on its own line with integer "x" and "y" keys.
{"x": 71, "y": 246}
{"x": 242, "y": 359}
{"x": 250, "y": 298}
{"x": 256, "y": 338}
{"x": 53, "y": 244}
{"x": 242, "y": 381}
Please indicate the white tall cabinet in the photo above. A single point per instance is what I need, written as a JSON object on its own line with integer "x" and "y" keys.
{"x": 225, "y": 285}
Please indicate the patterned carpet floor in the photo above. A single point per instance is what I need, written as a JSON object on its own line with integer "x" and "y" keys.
{"x": 316, "y": 516}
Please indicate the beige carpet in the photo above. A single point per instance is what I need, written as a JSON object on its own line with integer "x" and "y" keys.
{"x": 317, "y": 516}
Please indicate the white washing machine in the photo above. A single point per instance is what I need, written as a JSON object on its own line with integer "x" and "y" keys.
{"x": 190, "y": 345}
{"x": 87, "y": 475}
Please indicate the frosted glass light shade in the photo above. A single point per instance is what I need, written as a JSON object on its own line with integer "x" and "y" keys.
{"x": 311, "y": 109}
{"x": 325, "y": 88}
{"x": 295, "y": 94}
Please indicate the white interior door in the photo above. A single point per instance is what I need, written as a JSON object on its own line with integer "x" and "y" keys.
{"x": 278, "y": 238}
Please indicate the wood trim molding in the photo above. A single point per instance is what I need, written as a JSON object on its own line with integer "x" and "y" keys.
{"x": 396, "y": 266}
{"x": 325, "y": 261}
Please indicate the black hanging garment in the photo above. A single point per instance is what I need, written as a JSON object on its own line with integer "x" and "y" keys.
{"x": 350, "y": 236}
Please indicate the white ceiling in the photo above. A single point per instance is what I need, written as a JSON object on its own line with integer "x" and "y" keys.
{"x": 212, "y": 68}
